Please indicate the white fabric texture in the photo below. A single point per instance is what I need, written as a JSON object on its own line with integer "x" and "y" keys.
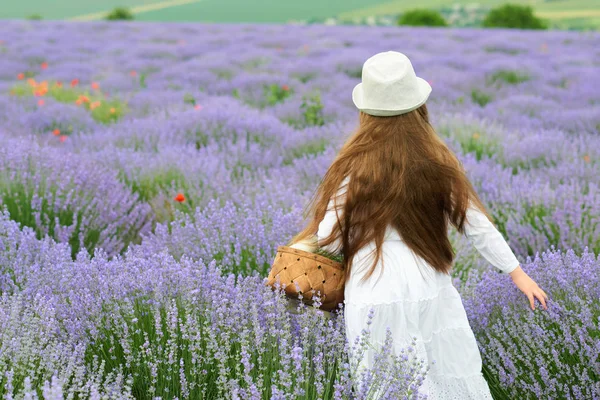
{"x": 414, "y": 300}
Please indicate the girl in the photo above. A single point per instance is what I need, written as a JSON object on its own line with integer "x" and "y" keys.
{"x": 385, "y": 204}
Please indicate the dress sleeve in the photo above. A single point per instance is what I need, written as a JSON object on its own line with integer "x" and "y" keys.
{"x": 488, "y": 241}
{"x": 328, "y": 222}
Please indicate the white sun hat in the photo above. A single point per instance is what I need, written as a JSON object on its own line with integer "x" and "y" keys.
{"x": 389, "y": 86}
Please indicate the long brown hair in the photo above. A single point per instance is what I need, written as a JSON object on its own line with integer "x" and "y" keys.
{"x": 401, "y": 174}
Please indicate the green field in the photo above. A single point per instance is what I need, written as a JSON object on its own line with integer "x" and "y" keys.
{"x": 586, "y": 12}
{"x": 188, "y": 10}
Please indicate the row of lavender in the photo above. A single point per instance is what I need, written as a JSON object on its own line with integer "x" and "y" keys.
{"x": 193, "y": 143}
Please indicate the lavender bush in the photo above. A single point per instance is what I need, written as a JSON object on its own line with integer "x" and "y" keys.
{"x": 36, "y": 360}
{"x": 227, "y": 343}
{"x": 540, "y": 354}
{"x": 69, "y": 199}
{"x": 147, "y": 326}
{"x": 242, "y": 238}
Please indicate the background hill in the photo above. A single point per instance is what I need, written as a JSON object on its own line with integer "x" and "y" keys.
{"x": 560, "y": 13}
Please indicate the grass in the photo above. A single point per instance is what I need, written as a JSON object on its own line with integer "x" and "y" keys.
{"x": 200, "y": 10}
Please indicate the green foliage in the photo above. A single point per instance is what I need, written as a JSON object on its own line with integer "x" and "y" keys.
{"x": 422, "y": 17}
{"x": 513, "y": 16}
{"x": 529, "y": 164}
{"x": 158, "y": 188}
{"x": 151, "y": 183}
{"x": 35, "y": 17}
{"x": 108, "y": 111}
{"x": 330, "y": 255}
{"x": 312, "y": 113}
{"x": 120, "y": 13}
{"x": 352, "y": 71}
{"x": 272, "y": 95}
{"x": 313, "y": 110}
{"x": 201, "y": 139}
{"x": 101, "y": 109}
{"x": 479, "y": 144}
{"x": 277, "y": 93}
{"x": 239, "y": 170}
{"x": 143, "y": 77}
{"x": 223, "y": 73}
{"x": 510, "y": 77}
{"x": 498, "y": 392}
{"x": 148, "y": 325}
{"x": 17, "y": 197}
{"x": 189, "y": 99}
{"x": 248, "y": 263}
{"x": 305, "y": 77}
{"x": 480, "y": 97}
{"x": 312, "y": 147}
{"x": 182, "y": 349}
{"x": 500, "y": 49}
{"x": 538, "y": 217}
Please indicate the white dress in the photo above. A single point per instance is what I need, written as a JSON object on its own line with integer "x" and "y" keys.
{"x": 426, "y": 306}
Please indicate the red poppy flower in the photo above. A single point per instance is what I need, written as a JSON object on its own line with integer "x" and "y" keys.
{"x": 198, "y": 107}
{"x": 56, "y": 132}
{"x": 62, "y": 138}
{"x": 132, "y": 73}
{"x": 21, "y": 76}
{"x": 95, "y": 85}
{"x": 74, "y": 82}
{"x": 285, "y": 87}
{"x": 44, "y": 65}
{"x": 180, "y": 197}
{"x": 41, "y": 102}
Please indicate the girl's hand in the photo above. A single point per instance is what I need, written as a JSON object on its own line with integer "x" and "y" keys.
{"x": 528, "y": 287}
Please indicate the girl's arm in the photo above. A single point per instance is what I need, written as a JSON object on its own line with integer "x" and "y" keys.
{"x": 491, "y": 244}
{"x": 489, "y": 241}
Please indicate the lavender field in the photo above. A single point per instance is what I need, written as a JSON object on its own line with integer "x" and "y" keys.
{"x": 149, "y": 171}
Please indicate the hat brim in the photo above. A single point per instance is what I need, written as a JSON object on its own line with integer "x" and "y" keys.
{"x": 424, "y": 90}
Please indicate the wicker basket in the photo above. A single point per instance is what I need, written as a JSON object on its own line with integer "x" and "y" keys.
{"x": 313, "y": 273}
